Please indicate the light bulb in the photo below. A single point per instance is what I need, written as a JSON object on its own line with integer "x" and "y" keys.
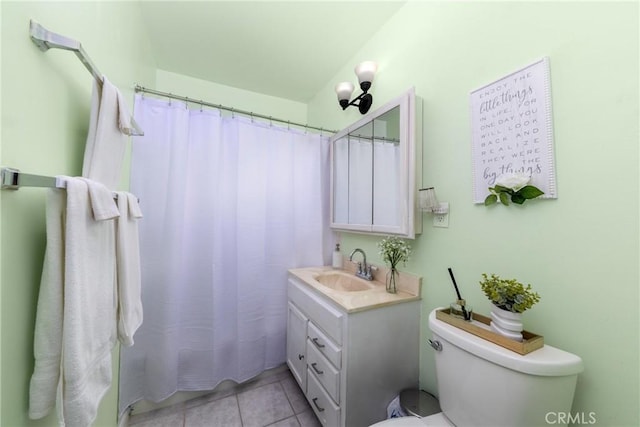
{"x": 344, "y": 90}
{"x": 365, "y": 71}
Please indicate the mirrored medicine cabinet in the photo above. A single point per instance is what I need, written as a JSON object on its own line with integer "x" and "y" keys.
{"x": 374, "y": 170}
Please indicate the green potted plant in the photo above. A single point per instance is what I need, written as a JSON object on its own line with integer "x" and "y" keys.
{"x": 510, "y": 299}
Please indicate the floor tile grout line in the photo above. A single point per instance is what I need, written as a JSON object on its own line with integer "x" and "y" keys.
{"x": 290, "y": 407}
{"x": 239, "y": 410}
{"x": 286, "y": 395}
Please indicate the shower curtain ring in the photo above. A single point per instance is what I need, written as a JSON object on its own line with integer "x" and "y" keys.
{"x": 270, "y": 121}
{"x": 201, "y": 105}
{"x": 288, "y": 125}
{"x": 233, "y": 116}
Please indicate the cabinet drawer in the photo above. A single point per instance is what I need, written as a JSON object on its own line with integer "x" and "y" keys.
{"x": 324, "y": 345}
{"x": 326, "y": 410}
{"x": 324, "y": 371}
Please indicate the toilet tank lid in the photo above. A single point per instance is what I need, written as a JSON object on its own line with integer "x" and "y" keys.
{"x": 546, "y": 361}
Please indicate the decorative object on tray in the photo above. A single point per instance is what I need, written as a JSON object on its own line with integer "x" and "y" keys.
{"x": 480, "y": 328}
{"x": 510, "y": 299}
{"x": 514, "y": 186}
{"x": 460, "y": 307}
{"x": 393, "y": 251}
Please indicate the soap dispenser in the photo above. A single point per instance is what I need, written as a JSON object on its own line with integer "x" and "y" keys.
{"x": 337, "y": 257}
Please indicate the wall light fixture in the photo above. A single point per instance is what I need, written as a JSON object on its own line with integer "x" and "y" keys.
{"x": 365, "y": 72}
{"x": 428, "y": 202}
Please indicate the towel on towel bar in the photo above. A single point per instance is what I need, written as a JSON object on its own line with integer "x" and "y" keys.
{"x": 128, "y": 261}
{"x": 76, "y": 315}
{"x": 109, "y": 125}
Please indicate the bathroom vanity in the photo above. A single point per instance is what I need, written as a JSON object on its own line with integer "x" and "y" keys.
{"x": 351, "y": 346}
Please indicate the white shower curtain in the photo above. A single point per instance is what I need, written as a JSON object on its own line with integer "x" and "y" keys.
{"x": 229, "y": 206}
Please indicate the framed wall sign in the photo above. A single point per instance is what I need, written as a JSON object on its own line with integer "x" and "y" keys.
{"x": 512, "y": 130}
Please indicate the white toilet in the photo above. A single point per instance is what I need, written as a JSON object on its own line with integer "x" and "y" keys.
{"x": 483, "y": 384}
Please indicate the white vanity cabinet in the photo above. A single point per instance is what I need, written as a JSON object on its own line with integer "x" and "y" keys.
{"x": 350, "y": 365}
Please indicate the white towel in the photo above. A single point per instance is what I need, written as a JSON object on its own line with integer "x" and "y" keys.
{"x": 48, "y": 331}
{"x": 76, "y": 316}
{"x": 109, "y": 125}
{"x": 128, "y": 261}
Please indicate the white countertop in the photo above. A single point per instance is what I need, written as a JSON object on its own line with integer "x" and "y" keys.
{"x": 408, "y": 289}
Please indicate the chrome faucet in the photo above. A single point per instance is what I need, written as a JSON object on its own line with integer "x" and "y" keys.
{"x": 364, "y": 270}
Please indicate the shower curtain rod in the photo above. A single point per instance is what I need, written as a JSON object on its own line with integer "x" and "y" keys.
{"x": 142, "y": 89}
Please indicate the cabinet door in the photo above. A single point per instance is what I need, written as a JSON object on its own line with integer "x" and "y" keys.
{"x": 296, "y": 345}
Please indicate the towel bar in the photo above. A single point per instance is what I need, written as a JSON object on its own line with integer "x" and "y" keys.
{"x": 12, "y": 179}
{"x": 46, "y": 40}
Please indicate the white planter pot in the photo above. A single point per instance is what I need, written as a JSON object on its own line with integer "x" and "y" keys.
{"x": 506, "y": 323}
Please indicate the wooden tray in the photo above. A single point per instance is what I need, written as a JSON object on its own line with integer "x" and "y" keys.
{"x": 529, "y": 343}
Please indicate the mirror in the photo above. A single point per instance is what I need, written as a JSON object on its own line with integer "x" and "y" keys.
{"x": 374, "y": 173}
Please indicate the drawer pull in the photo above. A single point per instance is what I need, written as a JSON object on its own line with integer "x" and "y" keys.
{"x": 316, "y": 405}
{"x": 319, "y": 372}
{"x": 300, "y": 356}
{"x": 315, "y": 341}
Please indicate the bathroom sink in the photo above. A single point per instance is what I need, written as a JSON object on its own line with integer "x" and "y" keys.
{"x": 341, "y": 281}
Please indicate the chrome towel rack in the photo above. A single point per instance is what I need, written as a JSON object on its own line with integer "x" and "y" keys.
{"x": 12, "y": 179}
{"x": 46, "y": 40}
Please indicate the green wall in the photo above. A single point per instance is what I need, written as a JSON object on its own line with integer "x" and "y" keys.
{"x": 580, "y": 252}
{"x": 45, "y": 116}
{"x": 239, "y": 99}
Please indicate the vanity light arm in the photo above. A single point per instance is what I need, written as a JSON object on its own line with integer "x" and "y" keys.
{"x": 362, "y": 101}
{"x": 355, "y": 101}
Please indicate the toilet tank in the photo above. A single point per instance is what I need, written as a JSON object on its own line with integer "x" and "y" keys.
{"x": 483, "y": 384}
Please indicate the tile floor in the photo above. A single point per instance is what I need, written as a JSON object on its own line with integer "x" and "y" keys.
{"x": 275, "y": 401}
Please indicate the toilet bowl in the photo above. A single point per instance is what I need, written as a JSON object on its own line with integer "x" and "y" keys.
{"x": 483, "y": 384}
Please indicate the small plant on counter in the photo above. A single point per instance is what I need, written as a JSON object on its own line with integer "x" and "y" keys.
{"x": 508, "y": 294}
{"x": 393, "y": 251}
{"x": 514, "y": 186}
